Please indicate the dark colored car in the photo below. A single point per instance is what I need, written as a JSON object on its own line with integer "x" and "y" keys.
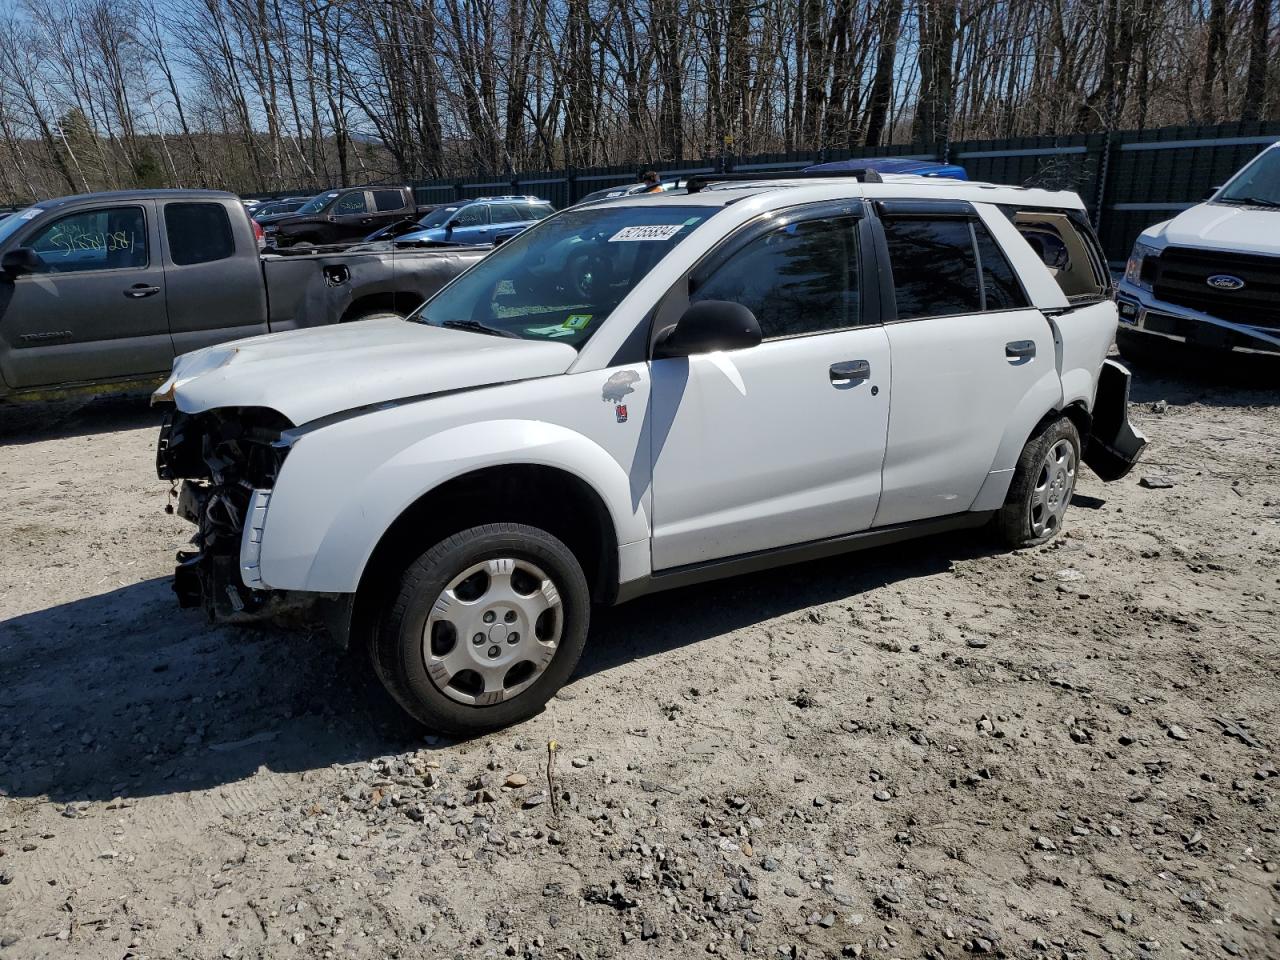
{"x": 272, "y": 210}
{"x": 341, "y": 216}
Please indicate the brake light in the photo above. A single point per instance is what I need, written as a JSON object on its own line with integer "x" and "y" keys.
{"x": 258, "y": 235}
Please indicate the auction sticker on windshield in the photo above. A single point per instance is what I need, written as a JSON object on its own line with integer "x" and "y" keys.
{"x": 658, "y": 231}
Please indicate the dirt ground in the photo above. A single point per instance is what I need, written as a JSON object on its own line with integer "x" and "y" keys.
{"x": 926, "y": 751}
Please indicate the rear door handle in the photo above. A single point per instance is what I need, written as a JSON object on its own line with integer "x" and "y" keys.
{"x": 140, "y": 290}
{"x": 850, "y": 370}
{"x": 1020, "y": 349}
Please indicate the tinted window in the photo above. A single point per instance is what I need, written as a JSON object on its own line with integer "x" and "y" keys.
{"x": 534, "y": 211}
{"x": 935, "y": 272}
{"x": 109, "y": 239}
{"x": 503, "y": 213}
{"x": 999, "y": 283}
{"x": 198, "y": 232}
{"x": 384, "y": 200}
{"x": 351, "y": 203}
{"x": 801, "y": 278}
{"x": 472, "y": 215}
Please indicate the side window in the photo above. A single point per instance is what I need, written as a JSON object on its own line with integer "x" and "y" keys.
{"x": 534, "y": 211}
{"x": 384, "y": 200}
{"x": 198, "y": 232}
{"x": 999, "y": 283}
{"x": 935, "y": 272}
{"x": 351, "y": 203}
{"x": 472, "y": 215}
{"x": 114, "y": 238}
{"x": 1069, "y": 250}
{"x": 798, "y": 279}
{"x": 503, "y": 213}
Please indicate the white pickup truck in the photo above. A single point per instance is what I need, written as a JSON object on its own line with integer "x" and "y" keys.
{"x": 1210, "y": 277}
{"x": 643, "y": 393}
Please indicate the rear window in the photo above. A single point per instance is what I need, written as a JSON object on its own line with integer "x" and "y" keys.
{"x": 1069, "y": 249}
{"x": 504, "y": 213}
{"x": 534, "y": 211}
{"x": 384, "y": 200}
{"x": 198, "y": 232}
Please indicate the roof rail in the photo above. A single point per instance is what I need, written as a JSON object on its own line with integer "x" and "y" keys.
{"x": 698, "y": 183}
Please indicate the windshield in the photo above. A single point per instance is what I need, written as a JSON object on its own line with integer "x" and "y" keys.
{"x": 437, "y": 217}
{"x": 15, "y": 222}
{"x": 560, "y": 279}
{"x": 1258, "y": 183}
{"x": 317, "y": 203}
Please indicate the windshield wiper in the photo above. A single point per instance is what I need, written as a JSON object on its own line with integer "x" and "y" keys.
{"x": 1252, "y": 201}
{"x": 475, "y": 326}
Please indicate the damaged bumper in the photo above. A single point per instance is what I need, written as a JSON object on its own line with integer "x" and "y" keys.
{"x": 1114, "y": 444}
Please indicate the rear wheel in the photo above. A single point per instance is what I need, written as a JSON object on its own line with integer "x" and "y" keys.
{"x": 1043, "y": 482}
{"x": 486, "y": 626}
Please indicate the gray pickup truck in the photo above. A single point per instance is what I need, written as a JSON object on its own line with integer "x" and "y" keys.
{"x": 107, "y": 288}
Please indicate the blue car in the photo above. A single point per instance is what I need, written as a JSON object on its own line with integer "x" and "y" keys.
{"x": 918, "y": 168}
{"x": 483, "y": 220}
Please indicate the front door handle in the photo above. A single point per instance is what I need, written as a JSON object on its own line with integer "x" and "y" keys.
{"x": 1020, "y": 349}
{"x": 140, "y": 290}
{"x": 850, "y": 370}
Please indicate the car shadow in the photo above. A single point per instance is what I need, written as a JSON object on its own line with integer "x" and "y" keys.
{"x": 170, "y": 704}
{"x": 31, "y": 421}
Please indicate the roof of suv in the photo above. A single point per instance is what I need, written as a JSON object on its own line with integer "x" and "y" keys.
{"x": 771, "y": 194}
{"x": 111, "y": 195}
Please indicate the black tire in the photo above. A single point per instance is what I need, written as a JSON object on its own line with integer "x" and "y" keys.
{"x": 398, "y": 654}
{"x": 1016, "y": 522}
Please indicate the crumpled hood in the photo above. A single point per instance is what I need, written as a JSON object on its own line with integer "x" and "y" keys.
{"x": 1226, "y": 227}
{"x": 307, "y": 374}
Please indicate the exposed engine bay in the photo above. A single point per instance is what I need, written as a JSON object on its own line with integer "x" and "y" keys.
{"x": 226, "y": 462}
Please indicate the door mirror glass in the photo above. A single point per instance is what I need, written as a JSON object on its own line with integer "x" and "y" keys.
{"x": 20, "y": 261}
{"x": 708, "y": 326}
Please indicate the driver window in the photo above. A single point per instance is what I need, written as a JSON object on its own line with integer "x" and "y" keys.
{"x": 475, "y": 215}
{"x": 351, "y": 203}
{"x": 799, "y": 279}
{"x": 114, "y": 238}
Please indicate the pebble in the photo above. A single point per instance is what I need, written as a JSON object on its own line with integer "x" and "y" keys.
{"x": 517, "y": 780}
{"x": 1177, "y": 733}
{"x": 882, "y": 795}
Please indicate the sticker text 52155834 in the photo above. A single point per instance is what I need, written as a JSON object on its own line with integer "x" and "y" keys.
{"x": 657, "y": 231}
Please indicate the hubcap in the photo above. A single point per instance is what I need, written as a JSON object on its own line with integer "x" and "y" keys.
{"x": 492, "y": 631}
{"x": 1052, "y": 492}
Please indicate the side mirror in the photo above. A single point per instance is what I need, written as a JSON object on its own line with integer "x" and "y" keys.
{"x": 1211, "y": 191}
{"x": 20, "y": 261}
{"x": 709, "y": 326}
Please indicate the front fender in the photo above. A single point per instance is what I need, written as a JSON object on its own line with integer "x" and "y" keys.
{"x": 318, "y": 535}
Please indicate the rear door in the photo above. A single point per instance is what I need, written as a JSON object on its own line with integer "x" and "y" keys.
{"x": 471, "y": 224}
{"x": 969, "y": 354}
{"x": 388, "y": 207}
{"x": 96, "y": 309}
{"x": 504, "y": 218}
{"x": 214, "y": 289}
{"x": 781, "y": 443}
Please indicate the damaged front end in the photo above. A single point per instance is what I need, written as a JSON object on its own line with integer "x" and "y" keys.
{"x": 226, "y": 461}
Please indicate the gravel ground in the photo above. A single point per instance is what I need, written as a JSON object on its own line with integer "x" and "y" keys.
{"x": 926, "y": 751}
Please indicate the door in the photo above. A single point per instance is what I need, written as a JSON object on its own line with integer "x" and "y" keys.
{"x": 214, "y": 289}
{"x": 351, "y": 216}
{"x": 96, "y": 309}
{"x": 389, "y": 206}
{"x": 968, "y": 350}
{"x": 470, "y": 224}
{"x": 504, "y": 219}
{"x": 781, "y": 443}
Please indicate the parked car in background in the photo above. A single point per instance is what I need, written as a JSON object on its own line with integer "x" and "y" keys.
{"x": 1210, "y": 277}
{"x": 483, "y": 220}
{"x": 112, "y": 286}
{"x": 344, "y": 215}
{"x": 632, "y": 190}
{"x": 756, "y": 374}
{"x": 276, "y": 208}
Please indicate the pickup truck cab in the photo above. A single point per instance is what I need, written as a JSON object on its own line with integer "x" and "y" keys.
{"x": 644, "y": 393}
{"x": 1210, "y": 277}
{"x": 338, "y": 216}
{"x": 110, "y": 287}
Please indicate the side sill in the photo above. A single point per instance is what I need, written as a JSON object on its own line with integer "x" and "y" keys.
{"x": 798, "y": 553}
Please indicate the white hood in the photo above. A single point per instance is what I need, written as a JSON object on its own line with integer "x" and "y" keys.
{"x": 307, "y": 374}
{"x": 1226, "y": 227}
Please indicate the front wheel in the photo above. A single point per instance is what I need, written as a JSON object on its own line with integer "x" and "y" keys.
{"x": 1043, "y": 482}
{"x": 486, "y": 626}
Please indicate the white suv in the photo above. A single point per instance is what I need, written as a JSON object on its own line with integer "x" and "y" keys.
{"x": 643, "y": 393}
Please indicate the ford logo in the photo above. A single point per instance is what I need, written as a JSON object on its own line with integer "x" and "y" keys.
{"x": 1224, "y": 281}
